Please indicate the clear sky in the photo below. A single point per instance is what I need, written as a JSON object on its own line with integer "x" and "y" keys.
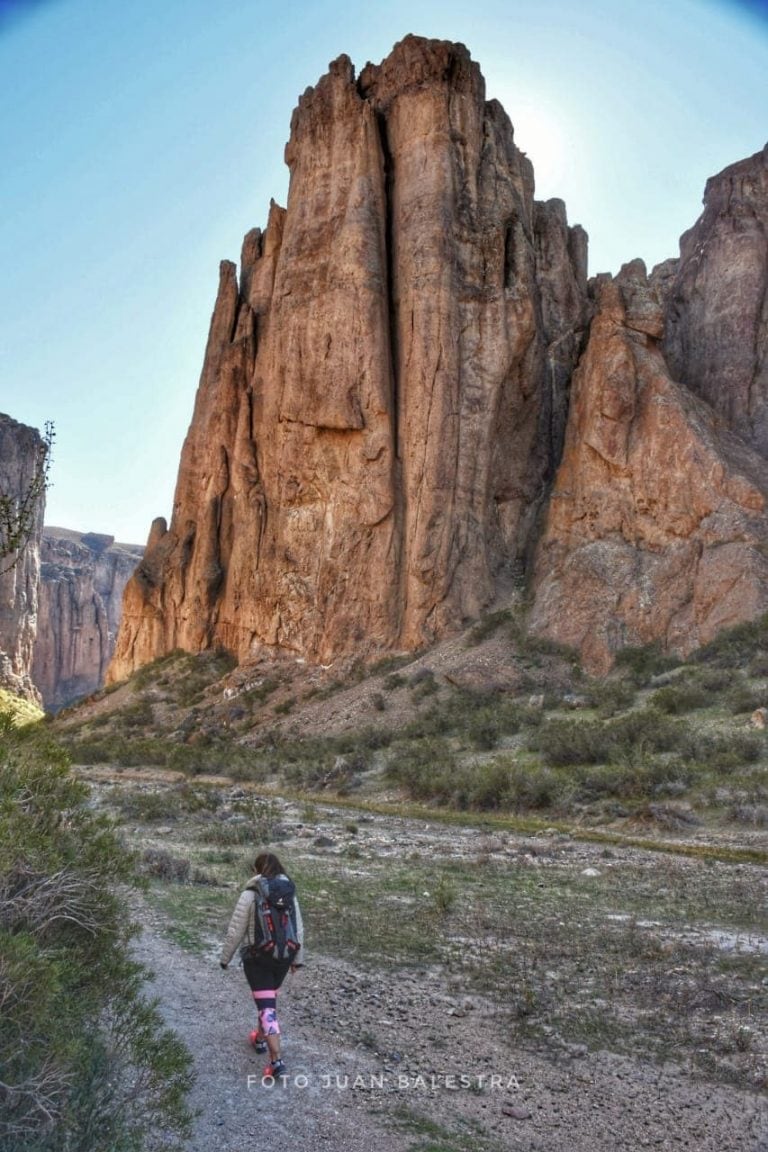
{"x": 139, "y": 141}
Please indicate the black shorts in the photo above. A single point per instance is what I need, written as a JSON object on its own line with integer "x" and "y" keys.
{"x": 264, "y": 973}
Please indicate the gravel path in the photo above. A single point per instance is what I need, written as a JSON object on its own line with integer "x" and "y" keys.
{"x": 346, "y": 1093}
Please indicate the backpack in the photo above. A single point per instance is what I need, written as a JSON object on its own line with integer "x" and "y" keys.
{"x": 275, "y": 919}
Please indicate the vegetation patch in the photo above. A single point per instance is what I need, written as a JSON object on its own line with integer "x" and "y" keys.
{"x": 86, "y": 1059}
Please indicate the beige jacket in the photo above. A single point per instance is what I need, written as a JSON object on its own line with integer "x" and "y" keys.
{"x": 242, "y": 926}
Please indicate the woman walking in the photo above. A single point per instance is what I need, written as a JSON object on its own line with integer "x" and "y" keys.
{"x": 267, "y": 925}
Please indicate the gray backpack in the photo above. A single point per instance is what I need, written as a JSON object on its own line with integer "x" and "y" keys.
{"x": 274, "y": 919}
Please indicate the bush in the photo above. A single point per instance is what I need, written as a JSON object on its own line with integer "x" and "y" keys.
{"x": 87, "y": 1062}
{"x": 737, "y": 645}
{"x": 534, "y": 786}
{"x": 424, "y": 768}
{"x": 743, "y": 698}
{"x": 643, "y": 663}
{"x": 611, "y": 696}
{"x": 686, "y": 696}
{"x": 723, "y": 753}
{"x": 162, "y": 865}
{"x": 489, "y": 625}
{"x": 569, "y": 742}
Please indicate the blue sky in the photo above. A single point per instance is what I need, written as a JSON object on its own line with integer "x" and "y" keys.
{"x": 140, "y": 141}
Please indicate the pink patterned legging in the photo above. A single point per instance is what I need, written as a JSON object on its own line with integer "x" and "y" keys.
{"x": 266, "y": 1006}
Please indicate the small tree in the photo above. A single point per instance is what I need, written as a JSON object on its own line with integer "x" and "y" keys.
{"x": 86, "y": 1062}
{"x": 18, "y": 512}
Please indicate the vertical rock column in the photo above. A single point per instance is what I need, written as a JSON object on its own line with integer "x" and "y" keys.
{"x": 470, "y": 334}
{"x": 381, "y": 405}
{"x": 20, "y": 456}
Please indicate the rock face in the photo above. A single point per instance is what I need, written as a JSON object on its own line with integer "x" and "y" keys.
{"x": 657, "y": 527}
{"x": 83, "y": 577}
{"x": 390, "y": 393}
{"x": 384, "y": 393}
{"x": 717, "y": 309}
{"x": 20, "y": 458}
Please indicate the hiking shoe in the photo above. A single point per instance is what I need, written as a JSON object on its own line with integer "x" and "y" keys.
{"x": 258, "y": 1042}
{"x": 274, "y": 1069}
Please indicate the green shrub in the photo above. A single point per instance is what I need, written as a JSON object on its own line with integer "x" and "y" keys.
{"x": 391, "y": 663}
{"x": 676, "y": 699}
{"x": 742, "y": 697}
{"x": 611, "y": 696}
{"x": 638, "y": 777}
{"x": 532, "y": 786}
{"x": 424, "y": 768}
{"x": 736, "y": 646}
{"x": 567, "y": 742}
{"x": 488, "y": 626}
{"x": 643, "y": 663}
{"x": 423, "y": 684}
{"x": 723, "y": 752}
{"x": 480, "y": 719}
{"x": 86, "y": 1060}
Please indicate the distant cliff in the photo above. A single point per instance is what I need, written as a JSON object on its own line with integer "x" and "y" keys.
{"x": 83, "y": 577}
{"x": 410, "y": 393}
{"x": 20, "y": 449}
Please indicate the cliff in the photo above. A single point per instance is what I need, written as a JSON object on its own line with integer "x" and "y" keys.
{"x": 656, "y": 530}
{"x": 21, "y": 451}
{"x": 716, "y": 314}
{"x": 411, "y": 363}
{"x": 383, "y": 398}
{"x": 82, "y": 580}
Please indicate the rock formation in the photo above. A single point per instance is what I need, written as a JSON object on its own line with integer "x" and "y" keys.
{"x": 20, "y": 459}
{"x": 387, "y": 394}
{"x": 83, "y": 577}
{"x": 656, "y": 528}
{"x": 717, "y": 309}
{"x": 384, "y": 392}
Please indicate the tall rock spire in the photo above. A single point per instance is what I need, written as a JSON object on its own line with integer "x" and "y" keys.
{"x": 383, "y": 397}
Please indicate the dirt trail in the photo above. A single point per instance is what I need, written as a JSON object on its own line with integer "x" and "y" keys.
{"x": 344, "y": 1096}
{"x": 211, "y": 1010}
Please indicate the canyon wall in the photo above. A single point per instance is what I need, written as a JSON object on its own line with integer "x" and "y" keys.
{"x": 20, "y": 462}
{"x": 383, "y": 398}
{"x": 410, "y": 392}
{"x": 82, "y": 581}
{"x": 656, "y": 530}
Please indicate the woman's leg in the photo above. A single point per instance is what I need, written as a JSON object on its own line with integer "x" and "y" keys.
{"x": 264, "y": 979}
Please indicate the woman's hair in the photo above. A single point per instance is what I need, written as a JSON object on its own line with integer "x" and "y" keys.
{"x": 267, "y": 864}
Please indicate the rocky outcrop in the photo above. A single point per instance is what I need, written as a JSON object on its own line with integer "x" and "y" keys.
{"x": 83, "y": 577}
{"x": 388, "y": 398}
{"x": 384, "y": 392}
{"x": 657, "y": 527}
{"x": 717, "y": 307}
{"x": 21, "y": 455}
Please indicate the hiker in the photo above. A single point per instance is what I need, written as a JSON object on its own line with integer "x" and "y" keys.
{"x": 267, "y": 925}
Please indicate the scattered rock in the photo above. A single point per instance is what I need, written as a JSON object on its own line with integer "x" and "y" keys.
{"x": 759, "y": 718}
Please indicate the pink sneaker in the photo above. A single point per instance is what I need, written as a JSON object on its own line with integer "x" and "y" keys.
{"x": 258, "y": 1041}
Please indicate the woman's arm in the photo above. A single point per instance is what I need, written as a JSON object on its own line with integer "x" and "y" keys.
{"x": 238, "y": 926}
{"x": 300, "y": 955}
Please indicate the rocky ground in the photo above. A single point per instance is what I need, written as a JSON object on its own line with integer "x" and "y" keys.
{"x": 376, "y": 1055}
